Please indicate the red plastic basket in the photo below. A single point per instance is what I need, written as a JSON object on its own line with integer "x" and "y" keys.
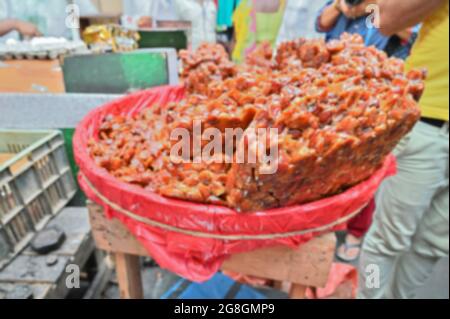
{"x": 193, "y": 239}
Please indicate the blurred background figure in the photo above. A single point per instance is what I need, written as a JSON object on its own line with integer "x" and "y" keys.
{"x": 272, "y": 21}
{"x": 410, "y": 232}
{"x": 256, "y": 21}
{"x": 8, "y": 25}
{"x": 203, "y": 17}
{"x": 339, "y": 16}
{"x": 333, "y": 19}
{"x": 299, "y": 20}
{"x": 225, "y": 28}
{"x": 25, "y": 29}
{"x": 145, "y": 13}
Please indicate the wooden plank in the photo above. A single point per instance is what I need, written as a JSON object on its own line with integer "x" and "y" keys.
{"x": 112, "y": 235}
{"x": 17, "y": 166}
{"x": 6, "y": 157}
{"x": 31, "y": 76}
{"x": 308, "y": 265}
{"x": 129, "y": 276}
{"x": 297, "y": 292}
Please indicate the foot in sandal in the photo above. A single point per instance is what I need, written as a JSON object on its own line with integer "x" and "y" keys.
{"x": 349, "y": 250}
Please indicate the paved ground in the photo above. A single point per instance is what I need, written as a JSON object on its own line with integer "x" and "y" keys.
{"x": 157, "y": 282}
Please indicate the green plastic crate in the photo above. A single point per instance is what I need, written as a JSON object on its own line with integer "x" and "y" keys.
{"x": 36, "y": 182}
{"x": 164, "y": 38}
{"x": 115, "y": 73}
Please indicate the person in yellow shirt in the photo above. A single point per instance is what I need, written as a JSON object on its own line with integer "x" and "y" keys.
{"x": 410, "y": 231}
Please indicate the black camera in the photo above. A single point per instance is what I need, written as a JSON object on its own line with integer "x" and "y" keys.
{"x": 353, "y": 3}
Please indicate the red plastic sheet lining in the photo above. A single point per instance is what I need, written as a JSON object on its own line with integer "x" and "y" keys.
{"x": 192, "y": 257}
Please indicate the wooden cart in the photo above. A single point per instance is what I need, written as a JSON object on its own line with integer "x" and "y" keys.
{"x": 307, "y": 266}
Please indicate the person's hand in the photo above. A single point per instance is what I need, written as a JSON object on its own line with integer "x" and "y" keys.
{"x": 346, "y": 9}
{"x": 145, "y": 22}
{"x": 27, "y": 29}
{"x": 352, "y": 12}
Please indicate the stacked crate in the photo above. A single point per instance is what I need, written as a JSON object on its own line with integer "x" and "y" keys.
{"x": 36, "y": 182}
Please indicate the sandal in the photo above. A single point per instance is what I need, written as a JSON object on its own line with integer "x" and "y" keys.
{"x": 347, "y": 246}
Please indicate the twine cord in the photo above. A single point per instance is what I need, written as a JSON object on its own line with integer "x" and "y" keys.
{"x": 200, "y": 234}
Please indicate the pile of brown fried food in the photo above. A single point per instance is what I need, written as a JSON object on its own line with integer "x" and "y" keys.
{"x": 339, "y": 109}
{"x": 208, "y": 63}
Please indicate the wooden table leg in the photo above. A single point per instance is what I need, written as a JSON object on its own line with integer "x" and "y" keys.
{"x": 129, "y": 276}
{"x": 297, "y": 291}
{"x": 307, "y": 266}
{"x": 278, "y": 284}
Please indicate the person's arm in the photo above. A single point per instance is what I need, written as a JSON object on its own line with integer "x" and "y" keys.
{"x": 329, "y": 17}
{"x": 24, "y": 28}
{"x": 6, "y": 26}
{"x": 405, "y": 34}
{"x": 396, "y": 16}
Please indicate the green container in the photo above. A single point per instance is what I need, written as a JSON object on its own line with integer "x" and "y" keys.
{"x": 80, "y": 198}
{"x": 115, "y": 73}
{"x": 176, "y": 39}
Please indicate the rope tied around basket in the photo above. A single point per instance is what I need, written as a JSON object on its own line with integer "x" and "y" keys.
{"x": 200, "y": 234}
